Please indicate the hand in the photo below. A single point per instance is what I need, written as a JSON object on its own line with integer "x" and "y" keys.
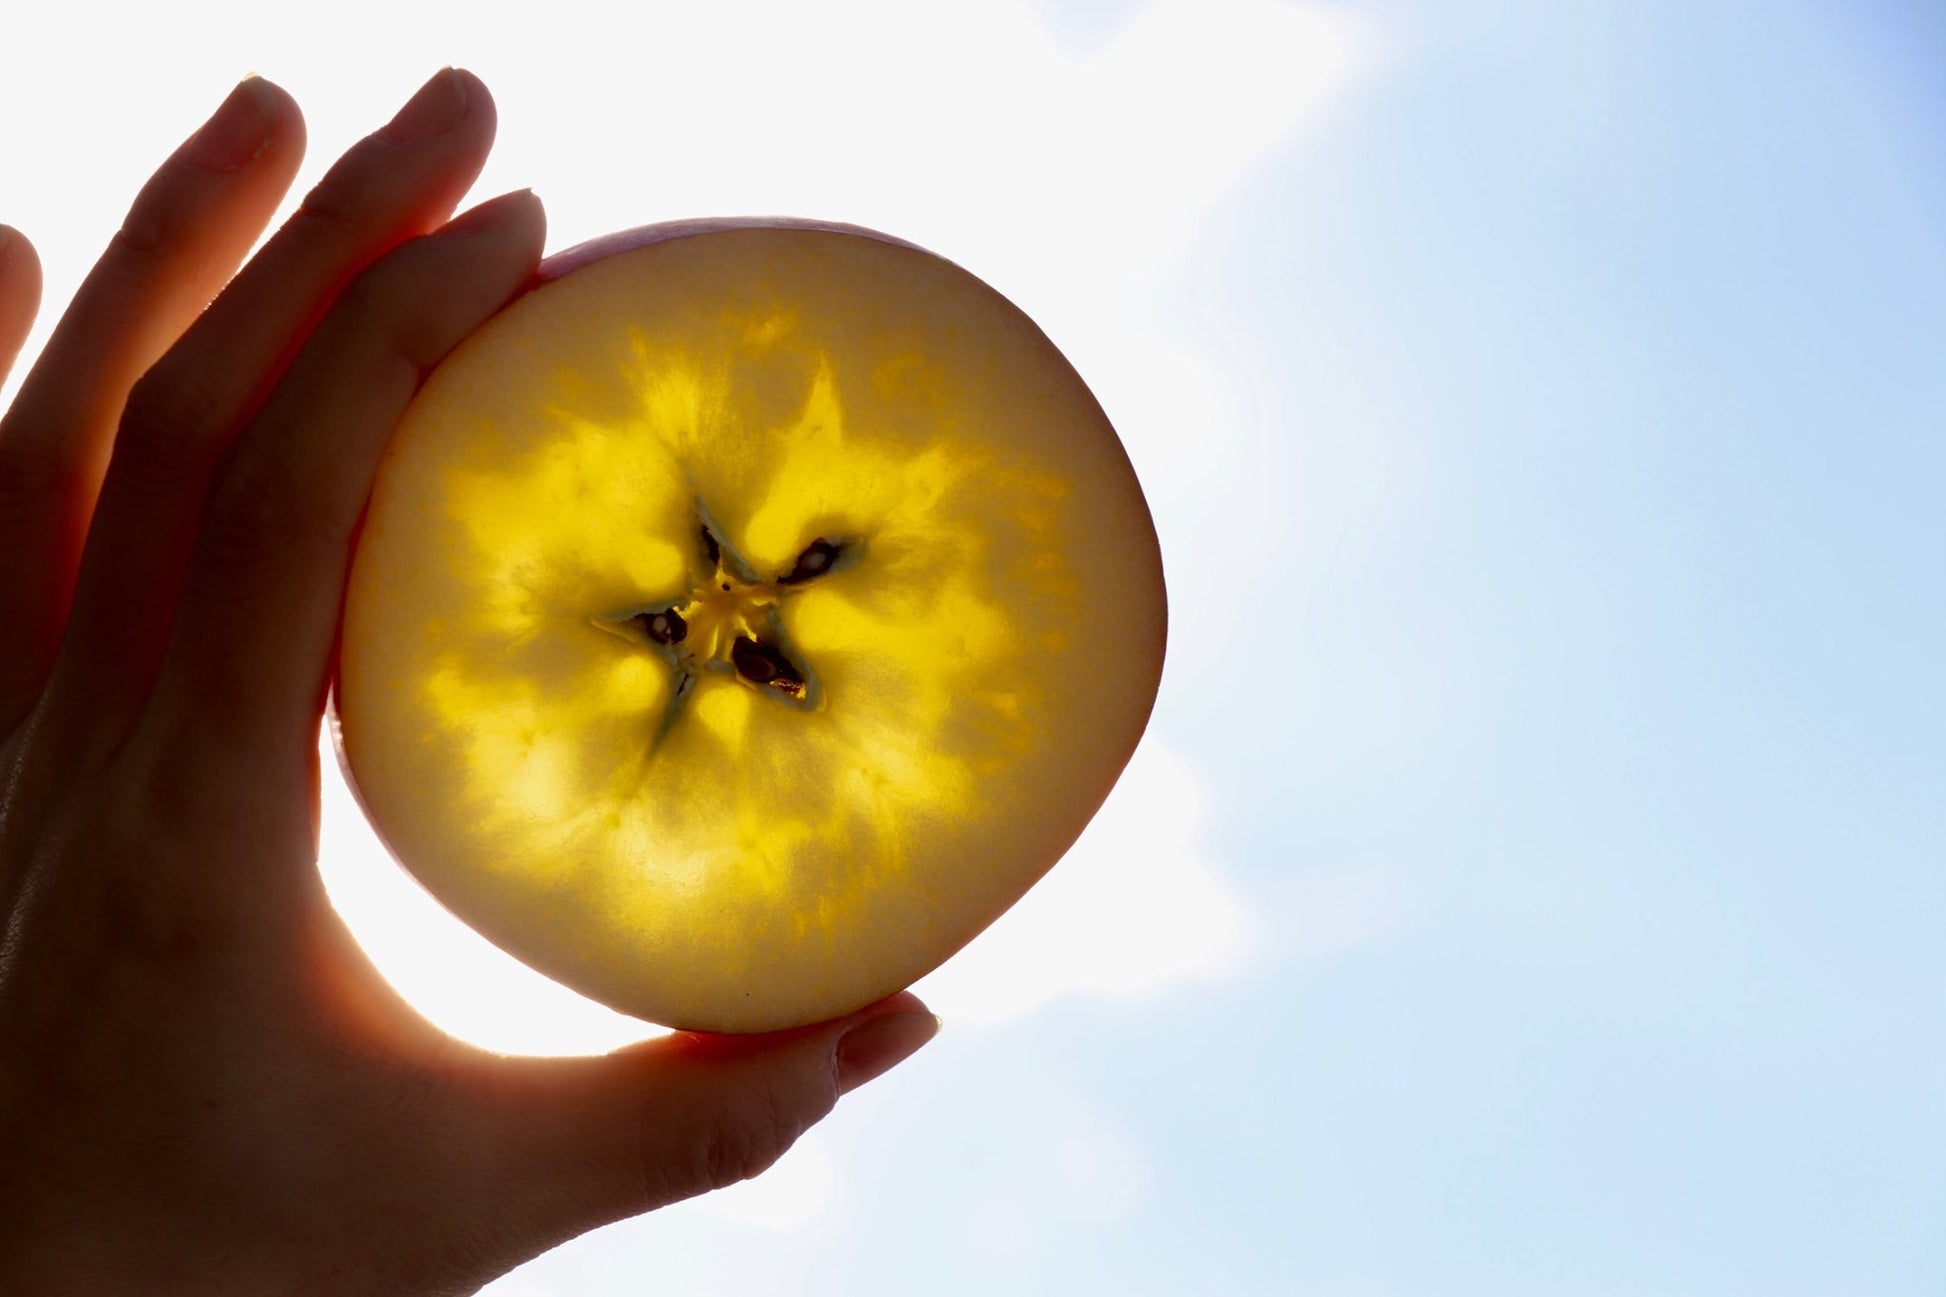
{"x": 203, "y": 1085}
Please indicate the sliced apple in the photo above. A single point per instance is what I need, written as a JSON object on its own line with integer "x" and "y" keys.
{"x": 744, "y": 619}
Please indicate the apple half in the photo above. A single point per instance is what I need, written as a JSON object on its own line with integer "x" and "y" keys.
{"x": 744, "y": 618}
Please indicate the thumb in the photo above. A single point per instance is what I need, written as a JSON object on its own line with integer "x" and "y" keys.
{"x": 586, "y": 1141}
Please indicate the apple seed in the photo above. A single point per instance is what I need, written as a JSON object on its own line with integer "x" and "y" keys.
{"x": 665, "y": 627}
{"x": 763, "y": 665}
{"x": 816, "y": 560}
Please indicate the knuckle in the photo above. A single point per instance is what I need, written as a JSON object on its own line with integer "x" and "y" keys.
{"x": 253, "y": 513}
{"x": 720, "y": 1142}
{"x": 148, "y": 913}
{"x": 385, "y": 306}
{"x": 333, "y": 216}
{"x": 139, "y": 253}
{"x": 153, "y": 225}
{"x": 170, "y": 426}
{"x": 369, "y": 301}
{"x": 748, "y": 1141}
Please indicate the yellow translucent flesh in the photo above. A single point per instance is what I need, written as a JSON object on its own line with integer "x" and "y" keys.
{"x": 983, "y": 659}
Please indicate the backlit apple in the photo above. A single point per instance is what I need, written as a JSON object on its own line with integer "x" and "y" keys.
{"x": 744, "y": 619}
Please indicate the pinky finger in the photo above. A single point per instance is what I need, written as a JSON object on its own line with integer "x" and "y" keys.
{"x": 20, "y": 293}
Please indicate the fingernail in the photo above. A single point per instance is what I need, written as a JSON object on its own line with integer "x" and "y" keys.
{"x": 439, "y": 106}
{"x": 239, "y": 130}
{"x": 875, "y": 1046}
{"x": 510, "y": 209}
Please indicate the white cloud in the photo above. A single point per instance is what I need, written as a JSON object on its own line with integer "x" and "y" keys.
{"x": 1133, "y": 909}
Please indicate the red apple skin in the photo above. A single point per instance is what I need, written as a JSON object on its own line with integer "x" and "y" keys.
{"x": 569, "y": 260}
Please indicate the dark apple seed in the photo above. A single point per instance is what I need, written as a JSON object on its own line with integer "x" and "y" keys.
{"x": 763, "y": 665}
{"x": 816, "y": 560}
{"x": 665, "y": 627}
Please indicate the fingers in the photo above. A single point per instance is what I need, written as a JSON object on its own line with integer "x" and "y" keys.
{"x": 185, "y": 233}
{"x": 247, "y": 658}
{"x": 20, "y": 293}
{"x": 183, "y": 415}
{"x": 583, "y": 1142}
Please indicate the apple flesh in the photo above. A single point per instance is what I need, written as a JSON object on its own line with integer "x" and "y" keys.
{"x": 744, "y": 618}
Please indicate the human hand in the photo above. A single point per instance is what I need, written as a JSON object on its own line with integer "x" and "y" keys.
{"x": 204, "y": 1087}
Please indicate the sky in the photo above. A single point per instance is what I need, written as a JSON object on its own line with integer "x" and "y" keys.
{"x": 1533, "y": 878}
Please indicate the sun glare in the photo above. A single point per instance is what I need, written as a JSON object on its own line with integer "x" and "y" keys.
{"x": 952, "y": 622}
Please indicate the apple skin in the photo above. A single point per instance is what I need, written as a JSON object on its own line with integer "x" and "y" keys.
{"x": 568, "y": 260}
{"x": 679, "y": 989}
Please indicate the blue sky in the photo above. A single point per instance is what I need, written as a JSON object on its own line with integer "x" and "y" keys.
{"x": 1535, "y": 880}
{"x": 1612, "y": 332}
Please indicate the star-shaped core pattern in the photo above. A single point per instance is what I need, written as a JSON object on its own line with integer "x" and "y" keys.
{"x": 731, "y": 622}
